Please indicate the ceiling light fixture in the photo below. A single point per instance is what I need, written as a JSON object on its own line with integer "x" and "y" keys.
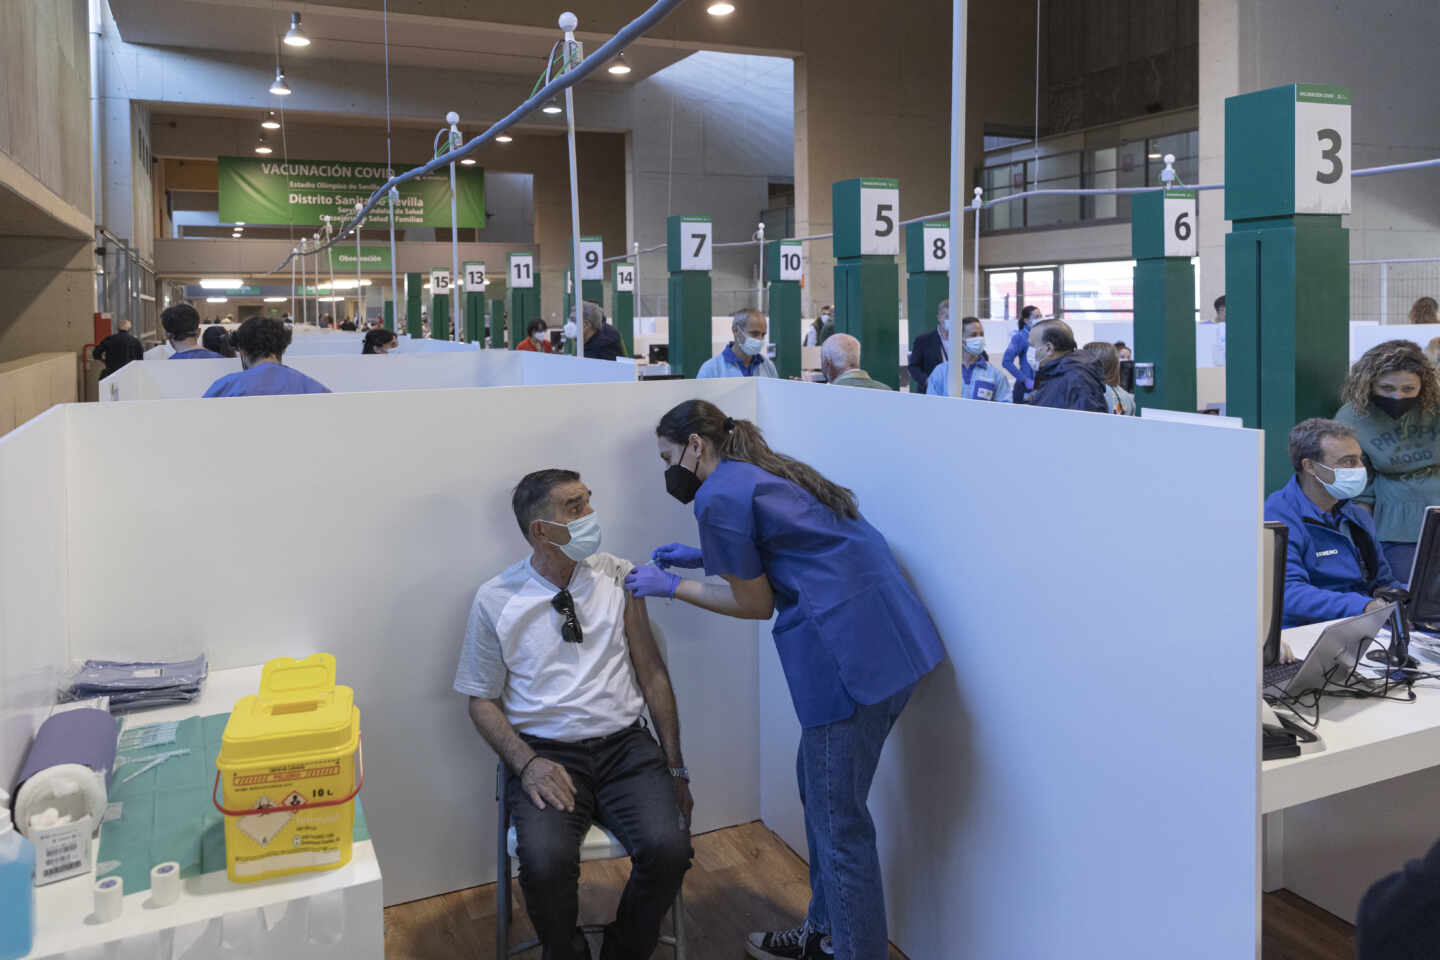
{"x": 295, "y": 37}
{"x": 261, "y": 147}
{"x": 276, "y": 299}
{"x": 619, "y": 67}
{"x": 552, "y": 107}
{"x": 221, "y": 283}
{"x": 721, "y": 8}
{"x": 280, "y": 88}
{"x": 468, "y": 162}
{"x": 217, "y": 299}
{"x": 1152, "y": 156}
{"x": 504, "y": 138}
{"x": 271, "y": 121}
{"x": 239, "y": 223}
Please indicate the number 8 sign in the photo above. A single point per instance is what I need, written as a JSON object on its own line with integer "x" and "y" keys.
{"x": 1180, "y": 223}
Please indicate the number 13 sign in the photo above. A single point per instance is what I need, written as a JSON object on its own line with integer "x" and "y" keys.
{"x": 1322, "y": 149}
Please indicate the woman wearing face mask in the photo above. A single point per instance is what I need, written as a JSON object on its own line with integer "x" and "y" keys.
{"x": 537, "y": 337}
{"x": 853, "y": 640}
{"x": 1392, "y": 402}
{"x": 979, "y": 380}
{"x": 1016, "y": 360}
{"x": 380, "y": 341}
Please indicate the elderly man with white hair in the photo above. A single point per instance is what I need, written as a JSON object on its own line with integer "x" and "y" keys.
{"x": 840, "y": 363}
{"x": 744, "y": 356}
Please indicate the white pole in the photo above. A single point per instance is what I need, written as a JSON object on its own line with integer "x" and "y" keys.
{"x": 394, "y": 286}
{"x": 957, "y": 186}
{"x": 315, "y": 274}
{"x": 292, "y": 286}
{"x": 1384, "y": 292}
{"x": 359, "y": 290}
{"x": 304, "y": 310}
{"x": 760, "y": 292}
{"x": 976, "y": 207}
{"x": 568, "y": 23}
{"x": 636, "y": 258}
{"x": 330, "y": 258}
{"x": 453, "y": 119}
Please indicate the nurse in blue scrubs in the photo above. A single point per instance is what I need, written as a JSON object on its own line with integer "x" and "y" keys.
{"x": 261, "y": 343}
{"x": 853, "y": 640}
{"x": 182, "y": 328}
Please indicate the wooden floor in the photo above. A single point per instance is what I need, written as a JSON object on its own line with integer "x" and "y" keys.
{"x": 744, "y": 879}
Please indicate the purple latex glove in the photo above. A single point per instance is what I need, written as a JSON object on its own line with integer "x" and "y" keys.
{"x": 648, "y": 581}
{"x": 677, "y": 555}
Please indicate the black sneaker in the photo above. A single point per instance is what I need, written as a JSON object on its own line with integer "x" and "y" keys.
{"x": 798, "y": 943}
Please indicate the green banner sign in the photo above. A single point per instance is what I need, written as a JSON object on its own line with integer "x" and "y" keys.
{"x": 259, "y": 190}
{"x": 373, "y": 257}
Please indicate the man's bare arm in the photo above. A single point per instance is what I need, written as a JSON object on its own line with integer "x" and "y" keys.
{"x": 654, "y": 679}
{"x": 544, "y": 780}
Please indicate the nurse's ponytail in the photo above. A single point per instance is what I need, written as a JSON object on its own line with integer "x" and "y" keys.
{"x": 742, "y": 440}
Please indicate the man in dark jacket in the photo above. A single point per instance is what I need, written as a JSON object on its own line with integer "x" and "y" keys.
{"x": 1063, "y": 377}
{"x": 602, "y": 341}
{"x": 930, "y": 349}
{"x": 118, "y": 349}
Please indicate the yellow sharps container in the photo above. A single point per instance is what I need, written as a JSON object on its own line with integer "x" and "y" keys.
{"x": 288, "y": 772}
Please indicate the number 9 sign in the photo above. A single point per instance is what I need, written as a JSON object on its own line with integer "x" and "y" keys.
{"x": 592, "y": 258}
{"x": 1180, "y": 223}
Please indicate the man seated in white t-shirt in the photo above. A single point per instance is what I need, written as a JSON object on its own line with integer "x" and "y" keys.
{"x": 560, "y": 664}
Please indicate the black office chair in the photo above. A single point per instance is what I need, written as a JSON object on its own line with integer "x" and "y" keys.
{"x": 598, "y": 844}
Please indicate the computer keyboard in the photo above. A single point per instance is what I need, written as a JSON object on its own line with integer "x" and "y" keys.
{"x": 1279, "y": 674}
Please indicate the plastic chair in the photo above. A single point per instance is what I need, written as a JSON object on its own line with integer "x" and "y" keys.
{"x": 597, "y": 844}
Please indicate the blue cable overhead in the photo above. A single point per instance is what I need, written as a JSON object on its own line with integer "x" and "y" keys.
{"x": 627, "y": 35}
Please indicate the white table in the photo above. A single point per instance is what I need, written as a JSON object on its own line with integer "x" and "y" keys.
{"x": 315, "y": 916}
{"x": 1355, "y": 806}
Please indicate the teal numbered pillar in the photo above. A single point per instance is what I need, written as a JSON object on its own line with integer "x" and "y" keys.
{"x": 473, "y": 302}
{"x": 591, "y": 290}
{"x": 497, "y": 324}
{"x": 524, "y": 294}
{"x": 1163, "y": 240}
{"x": 927, "y": 261}
{"x": 690, "y": 260}
{"x": 1287, "y": 273}
{"x": 784, "y": 265}
{"x": 622, "y": 304}
{"x": 388, "y": 312}
{"x": 414, "y": 288}
{"x": 440, "y": 304}
{"x": 867, "y": 285}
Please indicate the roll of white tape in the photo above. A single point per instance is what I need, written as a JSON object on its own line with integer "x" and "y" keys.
{"x": 109, "y": 899}
{"x": 165, "y": 883}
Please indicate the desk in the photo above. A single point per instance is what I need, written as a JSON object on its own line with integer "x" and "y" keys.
{"x": 315, "y": 916}
{"x": 1358, "y": 804}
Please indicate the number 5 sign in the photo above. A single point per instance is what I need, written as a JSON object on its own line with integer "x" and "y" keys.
{"x": 1322, "y": 149}
{"x": 867, "y": 218}
{"x": 1179, "y": 224}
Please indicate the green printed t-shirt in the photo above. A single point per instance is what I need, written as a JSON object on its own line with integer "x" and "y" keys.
{"x": 1405, "y": 455}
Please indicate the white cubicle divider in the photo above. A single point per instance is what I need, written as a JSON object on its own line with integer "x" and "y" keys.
{"x": 170, "y": 380}
{"x": 382, "y": 576}
{"x": 1091, "y": 744}
{"x": 1078, "y": 743}
{"x": 313, "y": 343}
{"x": 1363, "y": 336}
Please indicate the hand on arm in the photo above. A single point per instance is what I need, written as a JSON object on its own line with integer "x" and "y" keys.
{"x": 546, "y": 782}
{"x": 654, "y": 680}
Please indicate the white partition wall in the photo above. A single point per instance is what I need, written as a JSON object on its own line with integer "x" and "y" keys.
{"x": 361, "y": 525}
{"x": 169, "y": 380}
{"x": 1083, "y": 771}
{"x": 1363, "y": 336}
{"x": 33, "y": 549}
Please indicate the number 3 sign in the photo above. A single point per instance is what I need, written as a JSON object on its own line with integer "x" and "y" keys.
{"x": 1322, "y": 149}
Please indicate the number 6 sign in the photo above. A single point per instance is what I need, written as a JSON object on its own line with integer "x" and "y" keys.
{"x": 1179, "y": 224}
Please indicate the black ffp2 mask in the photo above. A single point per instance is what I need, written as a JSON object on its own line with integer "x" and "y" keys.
{"x": 680, "y": 481}
{"x": 1395, "y": 407}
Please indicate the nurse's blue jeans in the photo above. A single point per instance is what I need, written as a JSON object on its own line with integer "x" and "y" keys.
{"x": 835, "y": 767}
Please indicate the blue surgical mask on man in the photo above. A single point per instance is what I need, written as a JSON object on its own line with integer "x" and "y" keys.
{"x": 584, "y": 536}
{"x": 752, "y": 346}
{"x": 974, "y": 346}
{"x": 1349, "y": 482}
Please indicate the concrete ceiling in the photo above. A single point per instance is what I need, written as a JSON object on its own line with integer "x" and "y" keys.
{"x": 256, "y": 26}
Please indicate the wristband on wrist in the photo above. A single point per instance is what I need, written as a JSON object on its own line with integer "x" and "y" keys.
{"x": 533, "y": 758}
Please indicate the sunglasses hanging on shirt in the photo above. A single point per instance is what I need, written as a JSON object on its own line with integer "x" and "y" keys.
{"x": 564, "y": 605}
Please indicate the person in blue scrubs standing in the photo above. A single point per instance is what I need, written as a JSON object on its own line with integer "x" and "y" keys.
{"x": 182, "y": 328}
{"x": 261, "y": 343}
{"x": 979, "y": 379}
{"x": 1016, "y": 360}
{"x": 853, "y": 639}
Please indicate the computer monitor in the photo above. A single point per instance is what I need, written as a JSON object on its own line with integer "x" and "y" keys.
{"x": 1127, "y": 375}
{"x": 1274, "y": 543}
{"x": 1423, "y": 609}
{"x": 557, "y": 339}
{"x": 659, "y": 353}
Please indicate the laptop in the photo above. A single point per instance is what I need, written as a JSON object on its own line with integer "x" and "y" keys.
{"x": 1335, "y": 655}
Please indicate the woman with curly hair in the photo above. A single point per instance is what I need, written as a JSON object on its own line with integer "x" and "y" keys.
{"x": 1392, "y": 402}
